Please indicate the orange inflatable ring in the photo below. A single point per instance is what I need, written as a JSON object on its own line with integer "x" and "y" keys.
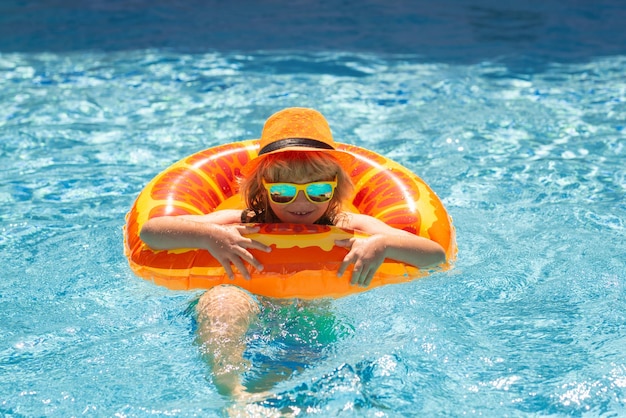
{"x": 303, "y": 261}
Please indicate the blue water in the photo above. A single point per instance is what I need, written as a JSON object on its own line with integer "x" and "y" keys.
{"x": 515, "y": 115}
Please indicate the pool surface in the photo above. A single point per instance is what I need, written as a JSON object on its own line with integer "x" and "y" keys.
{"x": 514, "y": 114}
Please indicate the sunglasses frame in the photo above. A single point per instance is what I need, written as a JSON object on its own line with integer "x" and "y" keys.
{"x": 300, "y": 187}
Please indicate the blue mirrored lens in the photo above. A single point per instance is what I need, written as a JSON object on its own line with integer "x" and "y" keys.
{"x": 282, "y": 193}
{"x": 320, "y": 192}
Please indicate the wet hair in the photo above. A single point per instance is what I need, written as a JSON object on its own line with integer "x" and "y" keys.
{"x": 292, "y": 167}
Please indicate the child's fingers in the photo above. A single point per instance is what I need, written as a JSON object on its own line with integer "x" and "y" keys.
{"x": 248, "y": 229}
{"x": 227, "y": 268}
{"x": 249, "y": 242}
{"x": 362, "y": 275}
{"x": 357, "y": 273}
{"x": 345, "y": 243}
{"x": 256, "y": 245}
{"x": 238, "y": 262}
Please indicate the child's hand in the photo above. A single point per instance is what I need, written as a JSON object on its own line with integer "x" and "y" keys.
{"x": 228, "y": 244}
{"x": 367, "y": 254}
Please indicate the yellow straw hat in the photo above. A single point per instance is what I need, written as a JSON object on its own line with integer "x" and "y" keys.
{"x": 297, "y": 129}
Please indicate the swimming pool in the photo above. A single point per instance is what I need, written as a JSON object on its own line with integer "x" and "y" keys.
{"x": 526, "y": 151}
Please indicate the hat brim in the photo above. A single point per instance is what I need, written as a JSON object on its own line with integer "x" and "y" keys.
{"x": 345, "y": 159}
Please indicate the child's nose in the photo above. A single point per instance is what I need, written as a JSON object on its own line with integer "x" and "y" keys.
{"x": 300, "y": 197}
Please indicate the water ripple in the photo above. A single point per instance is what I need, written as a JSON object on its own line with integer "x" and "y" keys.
{"x": 529, "y": 164}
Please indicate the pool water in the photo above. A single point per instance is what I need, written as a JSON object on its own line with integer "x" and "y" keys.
{"x": 526, "y": 151}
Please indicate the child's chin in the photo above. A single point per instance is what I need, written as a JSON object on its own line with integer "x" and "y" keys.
{"x": 302, "y": 219}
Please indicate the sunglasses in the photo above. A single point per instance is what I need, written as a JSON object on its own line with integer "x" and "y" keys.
{"x": 316, "y": 192}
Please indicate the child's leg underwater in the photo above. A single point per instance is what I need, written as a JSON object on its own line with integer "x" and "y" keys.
{"x": 224, "y": 316}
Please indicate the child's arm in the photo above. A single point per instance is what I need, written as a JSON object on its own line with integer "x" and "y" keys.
{"x": 218, "y": 232}
{"x": 367, "y": 254}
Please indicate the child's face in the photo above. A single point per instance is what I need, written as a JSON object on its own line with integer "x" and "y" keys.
{"x": 301, "y": 210}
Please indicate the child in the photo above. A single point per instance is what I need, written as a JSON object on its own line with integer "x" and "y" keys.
{"x": 298, "y": 177}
